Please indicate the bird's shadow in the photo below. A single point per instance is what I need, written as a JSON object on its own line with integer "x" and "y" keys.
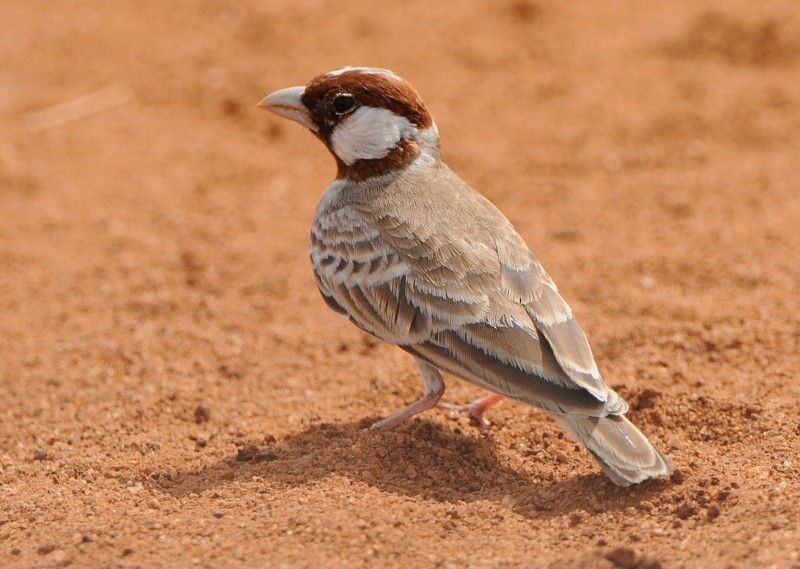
{"x": 425, "y": 459}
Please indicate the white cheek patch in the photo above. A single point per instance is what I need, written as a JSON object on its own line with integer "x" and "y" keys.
{"x": 368, "y": 134}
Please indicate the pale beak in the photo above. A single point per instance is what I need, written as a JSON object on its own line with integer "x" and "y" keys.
{"x": 287, "y": 103}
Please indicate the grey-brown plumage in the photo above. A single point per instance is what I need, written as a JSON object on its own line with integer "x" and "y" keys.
{"x": 414, "y": 256}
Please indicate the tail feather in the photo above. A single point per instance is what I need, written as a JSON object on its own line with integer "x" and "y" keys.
{"x": 624, "y": 453}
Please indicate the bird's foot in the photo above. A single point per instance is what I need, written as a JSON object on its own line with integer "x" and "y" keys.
{"x": 434, "y": 389}
{"x": 390, "y": 422}
{"x": 475, "y": 410}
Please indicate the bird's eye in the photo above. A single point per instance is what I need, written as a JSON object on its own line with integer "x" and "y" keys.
{"x": 343, "y": 103}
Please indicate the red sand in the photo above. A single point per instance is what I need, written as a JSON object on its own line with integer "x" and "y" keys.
{"x": 158, "y": 317}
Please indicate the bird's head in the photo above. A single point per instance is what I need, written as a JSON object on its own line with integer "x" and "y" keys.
{"x": 372, "y": 121}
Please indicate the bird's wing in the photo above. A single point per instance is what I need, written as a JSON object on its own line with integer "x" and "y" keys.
{"x": 524, "y": 281}
{"x": 451, "y": 302}
{"x": 361, "y": 275}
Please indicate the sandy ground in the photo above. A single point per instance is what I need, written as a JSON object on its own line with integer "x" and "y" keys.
{"x": 173, "y": 391}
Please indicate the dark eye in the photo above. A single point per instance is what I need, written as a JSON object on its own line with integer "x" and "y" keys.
{"x": 343, "y": 103}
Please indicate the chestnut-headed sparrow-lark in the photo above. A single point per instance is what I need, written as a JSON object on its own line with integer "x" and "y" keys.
{"x": 414, "y": 256}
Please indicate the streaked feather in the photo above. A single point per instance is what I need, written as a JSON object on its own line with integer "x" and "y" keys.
{"x": 472, "y": 297}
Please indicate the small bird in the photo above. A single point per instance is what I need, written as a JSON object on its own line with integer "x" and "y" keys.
{"x": 414, "y": 256}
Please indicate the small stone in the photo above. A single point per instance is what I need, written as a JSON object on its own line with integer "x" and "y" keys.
{"x": 678, "y": 476}
{"x": 648, "y": 562}
{"x": 265, "y": 457}
{"x": 508, "y": 502}
{"x": 776, "y": 491}
{"x": 246, "y": 453}
{"x": 218, "y": 514}
{"x": 778, "y": 523}
{"x": 45, "y": 549}
{"x": 685, "y": 511}
{"x": 202, "y": 414}
{"x": 623, "y": 557}
{"x": 40, "y": 454}
{"x": 647, "y": 506}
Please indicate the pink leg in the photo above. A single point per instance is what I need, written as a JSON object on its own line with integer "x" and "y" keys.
{"x": 476, "y": 409}
{"x": 434, "y": 388}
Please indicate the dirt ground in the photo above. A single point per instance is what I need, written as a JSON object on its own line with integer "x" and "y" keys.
{"x": 174, "y": 392}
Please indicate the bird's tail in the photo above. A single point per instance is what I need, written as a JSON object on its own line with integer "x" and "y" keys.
{"x": 625, "y": 454}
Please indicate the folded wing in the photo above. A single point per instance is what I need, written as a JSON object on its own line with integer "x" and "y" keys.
{"x": 482, "y": 310}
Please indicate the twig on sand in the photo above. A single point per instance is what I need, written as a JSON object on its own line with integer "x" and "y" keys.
{"x": 79, "y": 108}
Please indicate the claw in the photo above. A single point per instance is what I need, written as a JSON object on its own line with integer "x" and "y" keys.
{"x": 475, "y": 410}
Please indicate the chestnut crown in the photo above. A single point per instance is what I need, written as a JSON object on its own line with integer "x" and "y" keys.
{"x": 371, "y": 120}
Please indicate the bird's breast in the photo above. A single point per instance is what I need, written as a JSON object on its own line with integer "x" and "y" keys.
{"x": 345, "y": 250}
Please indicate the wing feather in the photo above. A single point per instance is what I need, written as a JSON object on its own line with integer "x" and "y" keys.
{"x": 525, "y": 281}
{"x": 448, "y": 352}
{"x": 482, "y": 309}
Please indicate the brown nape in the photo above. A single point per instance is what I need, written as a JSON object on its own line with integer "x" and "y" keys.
{"x": 400, "y": 157}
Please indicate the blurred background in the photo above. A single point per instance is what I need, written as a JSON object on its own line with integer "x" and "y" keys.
{"x": 158, "y": 312}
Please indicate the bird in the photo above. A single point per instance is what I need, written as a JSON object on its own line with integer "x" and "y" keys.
{"x": 414, "y": 256}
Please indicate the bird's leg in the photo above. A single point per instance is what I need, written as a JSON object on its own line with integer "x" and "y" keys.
{"x": 476, "y": 409}
{"x": 434, "y": 388}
